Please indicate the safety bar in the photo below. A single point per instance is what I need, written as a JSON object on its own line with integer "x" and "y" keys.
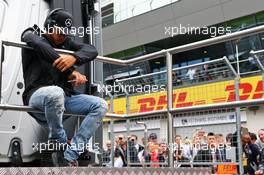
{"x": 256, "y": 52}
{"x": 30, "y": 109}
{"x": 225, "y": 59}
{"x": 157, "y": 112}
{"x": 99, "y": 58}
{"x": 259, "y": 64}
{"x": 178, "y": 49}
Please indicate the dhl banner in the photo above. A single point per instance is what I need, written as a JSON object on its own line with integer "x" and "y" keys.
{"x": 211, "y": 93}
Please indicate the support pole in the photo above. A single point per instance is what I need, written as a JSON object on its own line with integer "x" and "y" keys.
{"x": 238, "y": 125}
{"x": 169, "y": 107}
{"x": 128, "y": 142}
{"x": 112, "y": 137}
{"x": 2, "y": 54}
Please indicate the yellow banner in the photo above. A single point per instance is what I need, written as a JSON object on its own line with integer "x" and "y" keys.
{"x": 211, "y": 93}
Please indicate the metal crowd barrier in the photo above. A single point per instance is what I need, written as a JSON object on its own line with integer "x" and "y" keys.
{"x": 168, "y": 54}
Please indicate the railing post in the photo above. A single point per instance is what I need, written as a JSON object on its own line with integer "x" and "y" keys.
{"x": 127, "y": 97}
{"x": 238, "y": 126}
{"x": 237, "y": 59}
{"x": 128, "y": 145}
{"x": 260, "y": 65}
{"x": 112, "y": 104}
{"x": 238, "y": 114}
{"x": 112, "y": 134}
{"x": 2, "y": 54}
{"x": 127, "y": 104}
{"x": 169, "y": 107}
{"x": 230, "y": 66}
{"x": 112, "y": 137}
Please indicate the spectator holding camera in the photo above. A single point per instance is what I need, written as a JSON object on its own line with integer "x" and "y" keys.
{"x": 163, "y": 154}
{"x": 121, "y": 152}
{"x": 134, "y": 140}
{"x": 134, "y": 149}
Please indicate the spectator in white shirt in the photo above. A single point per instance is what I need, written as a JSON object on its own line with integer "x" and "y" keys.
{"x": 191, "y": 74}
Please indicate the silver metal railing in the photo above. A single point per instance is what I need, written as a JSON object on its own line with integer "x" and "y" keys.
{"x": 168, "y": 53}
{"x": 195, "y": 45}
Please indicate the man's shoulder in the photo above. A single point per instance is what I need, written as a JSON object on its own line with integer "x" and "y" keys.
{"x": 254, "y": 147}
{"x": 35, "y": 30}
{"x": 140, "y": 146}
{"x": 260, "y": 143}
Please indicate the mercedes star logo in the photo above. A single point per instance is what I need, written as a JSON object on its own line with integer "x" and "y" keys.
{"x": 68, "y": 22}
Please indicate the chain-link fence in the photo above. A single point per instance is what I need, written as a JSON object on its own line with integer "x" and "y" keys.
{"x": 200, "y": 137}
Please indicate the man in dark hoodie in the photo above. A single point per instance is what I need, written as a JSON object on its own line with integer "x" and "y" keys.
{"x": 49, "y": 79}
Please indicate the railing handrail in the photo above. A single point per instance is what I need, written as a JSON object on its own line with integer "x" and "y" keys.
{"x": 99, "y": 58}
{"x": 257, "y": 51}
{"x": 174, "y": 69}
{"x": 232, "y": 104}
{"x": 174, "y": 50}
{"x": 33, "y": 110}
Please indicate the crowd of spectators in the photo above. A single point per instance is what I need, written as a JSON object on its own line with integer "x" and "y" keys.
{"x": 203, "y": 150}
{"x": 199, "y": 74}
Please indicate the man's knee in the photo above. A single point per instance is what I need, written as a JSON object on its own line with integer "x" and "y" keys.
{"x": 101, "y": 107}
{"x": 54, "y": 94}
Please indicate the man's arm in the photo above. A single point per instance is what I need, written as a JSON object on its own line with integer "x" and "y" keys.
{"x": 261, "y": 163}
{"x": 42, "y": 49}
{"x": 82, "y": 52}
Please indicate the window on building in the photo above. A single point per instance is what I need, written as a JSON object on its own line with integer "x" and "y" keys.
{"x": 108, "y": 15}
{"x": 241, "y": 23}
{"x": 260, "y": 18}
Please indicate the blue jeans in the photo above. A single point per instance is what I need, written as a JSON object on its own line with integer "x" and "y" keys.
{"x": 53, "y": 102}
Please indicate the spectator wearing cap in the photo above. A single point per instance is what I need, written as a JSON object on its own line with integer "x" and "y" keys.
{"x": 153, "y": 138}
{"x": 260, "y": 141}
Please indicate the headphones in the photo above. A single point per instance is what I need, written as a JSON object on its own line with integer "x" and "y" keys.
{"x": 49, "y": 21}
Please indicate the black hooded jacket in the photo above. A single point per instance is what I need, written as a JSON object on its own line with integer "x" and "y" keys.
{"x": 37, "y": 63}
